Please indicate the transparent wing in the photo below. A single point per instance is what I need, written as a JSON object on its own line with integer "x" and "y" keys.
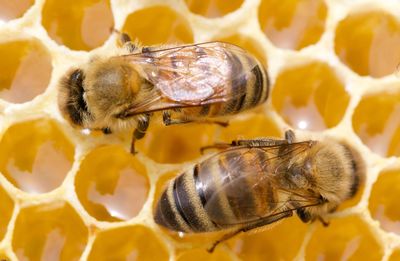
{"x": 197, "y": 74}
{"x": 243, "y": 183}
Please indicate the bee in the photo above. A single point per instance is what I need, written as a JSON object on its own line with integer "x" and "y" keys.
{"x": 188, "y": 83}
{"x": 252, "y": 183}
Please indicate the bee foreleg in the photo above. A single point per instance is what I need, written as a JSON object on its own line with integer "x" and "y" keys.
{"x": 262, "y": 222}
{"x": 140, "y": 130}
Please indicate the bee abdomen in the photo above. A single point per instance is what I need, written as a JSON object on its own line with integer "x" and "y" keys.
{"x": 181, "y": 208}
{"x": 253, "y": 82}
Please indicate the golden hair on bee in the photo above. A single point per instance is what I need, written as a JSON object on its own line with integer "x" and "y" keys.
{"x": 252, "y": 183}
{"x": 189, "y": 83}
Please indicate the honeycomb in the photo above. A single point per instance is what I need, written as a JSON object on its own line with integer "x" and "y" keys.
{"x": 69, "y": 194}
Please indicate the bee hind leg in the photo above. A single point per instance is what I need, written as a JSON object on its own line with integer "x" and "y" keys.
{"x": 140, "y": 131}
{"x": 260, "y": 223}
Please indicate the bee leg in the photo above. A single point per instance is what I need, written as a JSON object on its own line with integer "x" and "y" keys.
{"x": 140, "y": 131}
{"x": 258, "y": 142}
{"x": 323, "y": 221}
{"x": 168, "y": 121}
{"x": 255, "y": 143}
{"x": 262, "y": 222}
{"x": 290, "y": 136}
{"x": 125, "y": 40}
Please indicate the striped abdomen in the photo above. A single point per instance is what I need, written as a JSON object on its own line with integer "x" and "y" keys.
{"x": 228, "y": 189}
{"x": 248, "y": 77}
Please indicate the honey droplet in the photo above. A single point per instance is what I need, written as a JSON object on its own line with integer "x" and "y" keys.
{"x": 112, "y": 184}
{"x": 45, "y": 160}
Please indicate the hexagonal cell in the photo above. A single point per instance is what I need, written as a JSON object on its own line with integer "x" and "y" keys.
{"x": 293, "y": 24}
{"x": 112, "y": 184}
{"x": 368, "y": 43}
{"x": 395, "y": 256}
{"x": 383, "y": 205}
{"x": 6, "y": 210}
{"x": 213, "y": 8}
{"x": 52, "y": 231}
{"x": 253, "y": 126}
{"x": 35, "y": 155}
{"x": 128, "y": 243}
{"x": 247, "y": 44}
{"x": 176, "y": 143}
{"x": 346, "y": 238}
{"x": 279, "y": 241}
{"x": 170, "y": 27}
{"x": 201, "y": 254}
{"x": 13, "y": 9}
{"x": 72, "y": 24}
{"x": 376, "y": 120}
{"x": 310, "y": 96}
{"x": 26, "y": 70}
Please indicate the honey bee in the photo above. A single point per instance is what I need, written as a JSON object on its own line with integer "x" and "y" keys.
{"x": 253, "y": 183}
{"x": 189, "y": 83}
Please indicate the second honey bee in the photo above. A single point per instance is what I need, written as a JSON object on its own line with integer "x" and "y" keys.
{"x": 252, "y": 183}
{"x": 189, "y": 83}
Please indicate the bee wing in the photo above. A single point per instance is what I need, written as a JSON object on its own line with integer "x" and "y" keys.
{"x": 246, "y": 184}
{"x": 197, "y": 74}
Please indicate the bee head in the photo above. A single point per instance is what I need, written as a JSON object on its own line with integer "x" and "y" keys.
{"x": 71, "y": 100}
